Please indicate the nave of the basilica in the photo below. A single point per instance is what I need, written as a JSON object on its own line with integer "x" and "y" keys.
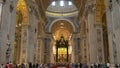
{"x": 60, "y": 32}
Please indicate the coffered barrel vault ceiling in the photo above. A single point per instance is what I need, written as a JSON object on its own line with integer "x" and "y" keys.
{"x": 62, "y": 27}
{"x": 62, "y": 24}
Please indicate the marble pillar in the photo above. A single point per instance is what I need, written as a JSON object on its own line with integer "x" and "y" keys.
{"x": 32, "y": 37}
{"x": 73, "y": 50}
{"x": 12, "y": 26}
{"x": 24, "y": 43}
{"x": 91, "y": 33}
{"x": 116, "y": 26}
{"x": 100, "y": 46}
{"x": 114, "y": 10}
{"x": 113, "y": 13}
{"x": 5, "y": 33}
{"x": 52, "y": 49}
{"x": 76, "y": 49}
{"x": 47, "y": 50}
{"x": 40, "y": 51}
{"x": 82, "y": 50}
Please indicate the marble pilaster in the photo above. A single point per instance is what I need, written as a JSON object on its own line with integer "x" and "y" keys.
{"x": 12, "y": 26}
{"x": 82, "y": 50}
{"x": 116, "y": 25}
{"x": 52, "y": 55}
{"x": 76, "y": 49}
{"x": 113, "y": 13}
{"x": 100, "y": 47}
{"x": 73, "y": 50}
{"x": 32, "y": 38}
{"x": 91, "y": 33}
{"x": 42, "y": 51}
{"x": 47, "y": 50}
{"x": 5, "y": 34}
{"x": 24, "y": 43}
{"x": 110, "y": 30}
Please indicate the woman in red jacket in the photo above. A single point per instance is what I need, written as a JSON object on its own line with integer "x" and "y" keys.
{"x": 67, "y": 66}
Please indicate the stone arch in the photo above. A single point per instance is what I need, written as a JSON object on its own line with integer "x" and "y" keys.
{"x": 61, "y": 19}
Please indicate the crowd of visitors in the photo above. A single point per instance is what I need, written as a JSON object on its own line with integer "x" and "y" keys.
{"x": 50, "y": 65}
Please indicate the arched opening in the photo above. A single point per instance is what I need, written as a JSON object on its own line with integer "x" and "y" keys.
{"x": 62, "y": 32}
{"x": 63, "y": 20}
{"x": 21, "y": 20}
{"x": 62, "y": 24}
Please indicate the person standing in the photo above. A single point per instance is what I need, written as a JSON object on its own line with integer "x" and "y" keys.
{"x": 67, "y": 66}
{"x": 10, "y": 65}
{"x": 85, "y": 66}
{"x": 76, "y": 66}
{"x": 2, "y": 66}
{"x": 30, "y": 65}
{"x": 22, "y": 65}
{"x": 6, "y": 65}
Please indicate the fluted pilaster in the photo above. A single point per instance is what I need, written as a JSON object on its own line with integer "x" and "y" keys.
{"x": 91, "y": 35}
